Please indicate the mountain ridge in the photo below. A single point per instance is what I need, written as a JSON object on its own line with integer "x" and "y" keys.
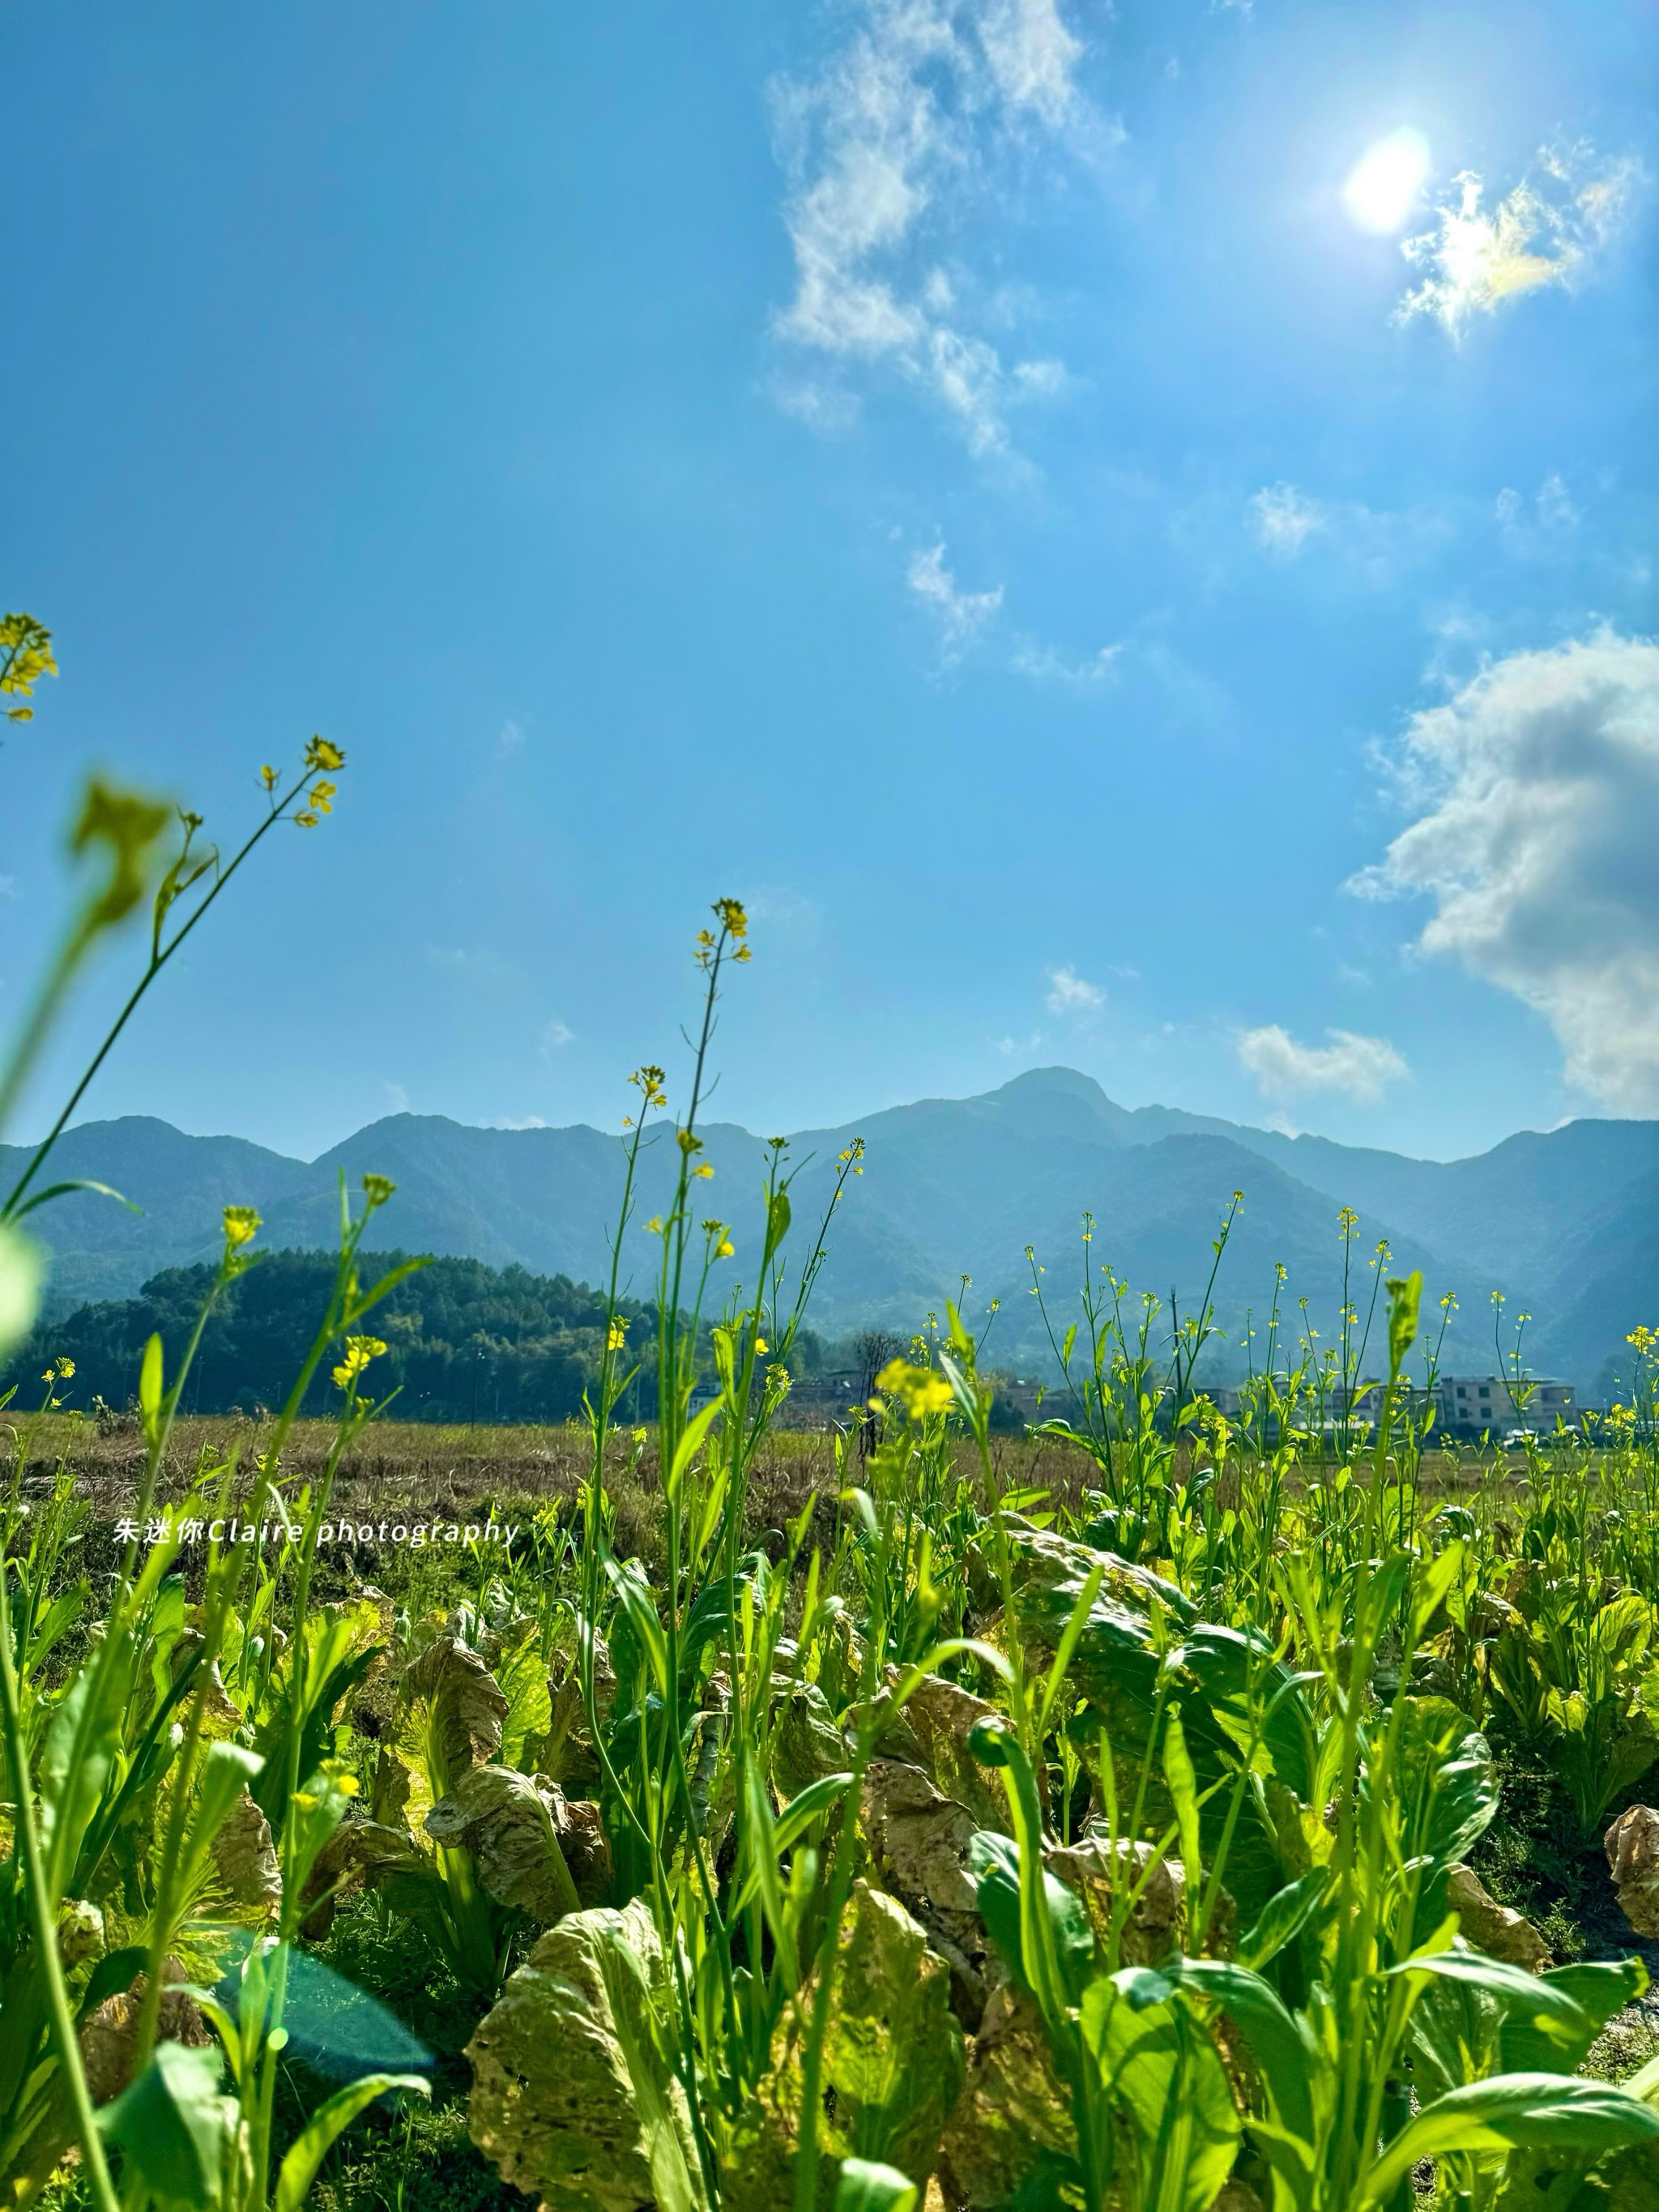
{"x": 1565, "y": 1221}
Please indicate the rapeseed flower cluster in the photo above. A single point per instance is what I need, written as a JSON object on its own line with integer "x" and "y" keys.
{"x": 921, "y": 1391}
{"x": 359, "y": 1350}
{"x": 241, "y": 1226}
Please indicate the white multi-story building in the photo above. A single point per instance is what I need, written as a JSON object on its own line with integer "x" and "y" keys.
{"x": 1470, "y": 1404}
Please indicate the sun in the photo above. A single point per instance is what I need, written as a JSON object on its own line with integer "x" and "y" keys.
{"x": 1387, "y": 182}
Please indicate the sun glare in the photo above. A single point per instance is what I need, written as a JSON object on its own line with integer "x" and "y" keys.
{"x": 1385, "y": 184}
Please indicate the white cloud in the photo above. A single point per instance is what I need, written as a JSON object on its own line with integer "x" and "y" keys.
{"x": 961, "y": 614}
{"x": 1555, "y": 508}
{"x": 1068, "y": 993}
{"x": 511, "y": 737}
{"x": 882, "y": 150}
{"x": 1545, "y": 232}
{"x": 523, "y": 1121}
{"x": 1284, "y": 518}
{"x": 397, "y": 1098}
{"x": 1526, "y": 526}
{"x": 555, "y": 1037}
{"x": 781, "y": 907}
{"x": 1032, "y": 657}
{"x": 1539, "y": 783}
{"x": 1360, "y": 1066}
{"x": 9, "y": 888}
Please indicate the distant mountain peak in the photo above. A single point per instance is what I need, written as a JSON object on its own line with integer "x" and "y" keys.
{"x": 1069, "y": 1080}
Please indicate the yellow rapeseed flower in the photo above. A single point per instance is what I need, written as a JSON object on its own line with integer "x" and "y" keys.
{"x": 360, "y": 1350}
{"x": 307, "y": 820}
{"x": 724, "y": 1249}
{"x": 705, "y": 1172}
{"x": 377, "y": 1188}
{"x": 241, "y": 1226}
{"x": 618, "y": 1333}
{"x": 268, "y": 777}
{"x": 923, "y": 1390}
{"x": 321, "y": 796}
{"x": 323, "y": 753}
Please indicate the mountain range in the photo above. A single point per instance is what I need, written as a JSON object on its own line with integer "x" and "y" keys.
{"x": 1565, "y": 1224}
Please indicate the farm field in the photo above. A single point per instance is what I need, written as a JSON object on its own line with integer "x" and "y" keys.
{"x": 1149, "y": 1811}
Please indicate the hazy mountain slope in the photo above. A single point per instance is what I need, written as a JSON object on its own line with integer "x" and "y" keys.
{"x": 1158, "y": 1208}
{"x": 1608, "y": 1282}
{"x": 1514, "y": 1209}
{"x": 1566, "y": 1222}
{"x": 100, "y": 1249}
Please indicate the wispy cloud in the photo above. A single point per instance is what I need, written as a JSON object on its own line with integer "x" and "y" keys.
{"x": 396, "y": 1098}
{"x": 522, "y": 1122}
{"x": 779, "y": 907}
{"x": 1537, "y": 786}
{"x": 883, "y": 149}
{"x": 965, "y": 618}
{"x": 1360, "y": 1066}
{"x": 511, "y": 737}
{"x": 1047, "y": 664}
{"x": 1524, "y": 526}
{"x": 961, "y": 614}
{"x": 1545, "y": 232}
{"x": 555, "y": 1037}
{"x": 1069, "y": 993}
{"x": 1284, "y": 518}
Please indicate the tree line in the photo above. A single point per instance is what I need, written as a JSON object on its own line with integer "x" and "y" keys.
{"x": 465, "y": 1341}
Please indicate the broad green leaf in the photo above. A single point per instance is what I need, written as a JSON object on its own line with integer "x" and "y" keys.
{"x": 298, "y": 2169}
{"x": 689, "y": 1445}
{"x": 639, "y": 1611}
{"x": 866, "y": 2185}
{"x": 994, "y": 1862}
{"x": 572, "y": 2097}
{"x": 521, "y": 1674}
{"x": 1442, "y": 1781}
{"x": 1529, "y": 2110}
{"x": 1284, "y": 1917}
{"x": 1432, "y": 1586}
{"x": 1282, "y": 2051}
{"x": 1600, "y": 1987}
{"x": 777, "y": 1219}
{"x": 1168, "y": 2074}
{"x": 807, "y": 1806}
{"x": 173, "y": 2126}
{"x": 76, "y": 1764}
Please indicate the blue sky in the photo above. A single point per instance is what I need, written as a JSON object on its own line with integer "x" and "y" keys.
{"x": 959, "y": 477}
